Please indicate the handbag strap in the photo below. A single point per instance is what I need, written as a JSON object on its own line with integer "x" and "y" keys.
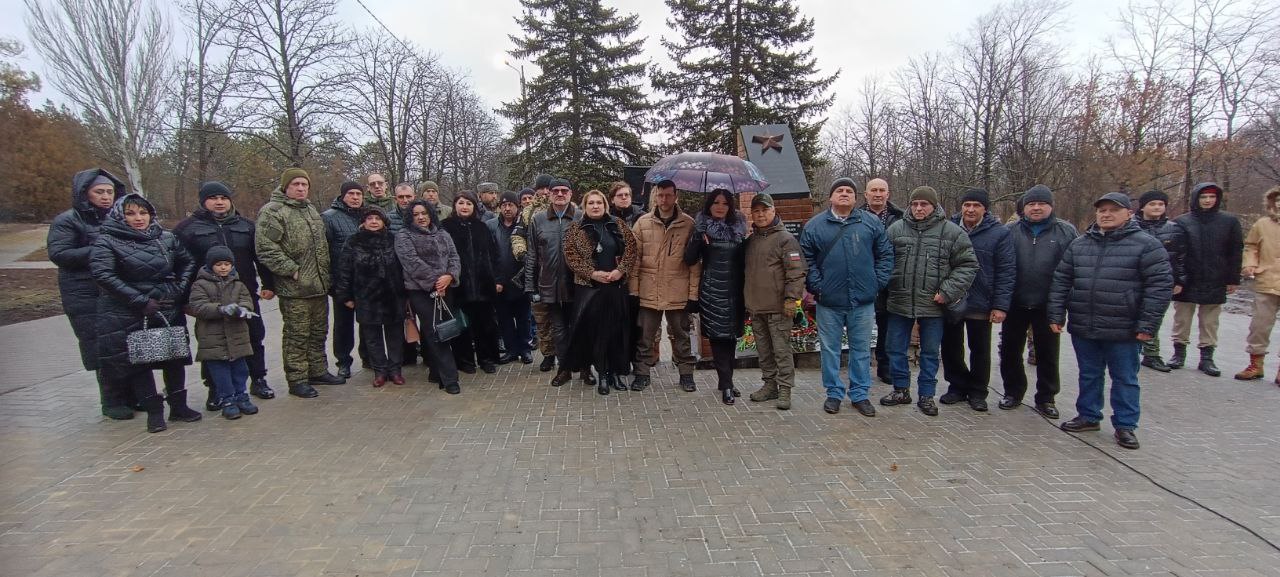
{"x": 442, "y": 309}
{"x": 822, "y": 257}
{"x": 162, "y": 319}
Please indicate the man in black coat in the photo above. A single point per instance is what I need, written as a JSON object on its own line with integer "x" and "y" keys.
{"x": 218, "y": 223}
{"x": 340, "y": 222}
{"x": 70, "y": 242}
{"x": 876, "y": 202}
{"x": 1213, "y": 246}
{"x": 1113, "y": 285}
{"x": 1152, "y": 219}
{"x": 512, "y": 305}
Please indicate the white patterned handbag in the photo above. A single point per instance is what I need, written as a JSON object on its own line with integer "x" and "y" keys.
{"x": 156, "y": 345}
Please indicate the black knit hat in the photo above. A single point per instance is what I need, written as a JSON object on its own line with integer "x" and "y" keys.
{"x": 1037, "y": 193}
{"x": 526, "y": 191}
{"x": 348, "y": 185}
{"x": 510, "y": 197}
{"x": 542, "y": 181}
{"x": 977, "y": 195}
{"x": 1151, "y": 195}
{"x": 843, "y": 181}
{"x": 213, "y": 188}
{"x": 217, "y": 254}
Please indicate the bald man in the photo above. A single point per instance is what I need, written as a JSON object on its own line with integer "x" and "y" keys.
{"x": 876, "y": 201}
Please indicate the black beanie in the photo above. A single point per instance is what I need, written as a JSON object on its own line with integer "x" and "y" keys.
{"x": 1151, "y": 195}
{"x": 526, "y": 192}
{"x": 1038, "y": 193}
{"x": 542, "y": 181}
{"x": 213, "y": 188}
{"x": 349, "y": 185}
{"x": 509, "y": 197}
{"x": 218, "y": 254}
{"x": 977, "y": 195}
{"x": 558, "y": 182}
{"x": 844, "y": 181}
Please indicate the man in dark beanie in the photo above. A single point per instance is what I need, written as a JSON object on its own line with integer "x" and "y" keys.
{"x": 987, "y": 302}
{"x": 1213, "y": 251}
{"x": 1039, "y": 240}
{"x": 1152, "y": 218}
{"x": 217, "y": 223}
{"x": 340, "y": 222}
{"x": 511, "y": 308}
{"x": 933, "y": 266}
{"x": 519, "y": 246}
{"x": 291, "y": 242}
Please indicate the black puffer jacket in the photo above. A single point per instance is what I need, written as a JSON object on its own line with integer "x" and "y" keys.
{"x": 70, "y": 243}
{"x": 1170, "y": 236}
{"x": 130, "y": 267}
{"x": 1111, "y": 286}
{"x": 1038, "y": 256}
{"x": 1213, "y": 245}
{"x": 721, "y": 307}
{"x": 476, "y": 251}
{"x": 369, "y": 273}
{"x": 202, "y": 231}
{"x": 629, "y": 216}
{"x": 340, "y": 222}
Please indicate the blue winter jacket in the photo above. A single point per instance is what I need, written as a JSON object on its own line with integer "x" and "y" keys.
{"x": 857, "y": 266}
{"x": 992, "y": 289}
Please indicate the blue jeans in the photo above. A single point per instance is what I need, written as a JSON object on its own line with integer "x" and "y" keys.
{"x": 228, "y": 377}
{"x": 1120, "y": 358}
{"x": 855, "y": 323}
{"x": 930, "y": 345}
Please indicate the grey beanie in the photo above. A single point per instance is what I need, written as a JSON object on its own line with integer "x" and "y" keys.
{"x": 1038, "y": 193}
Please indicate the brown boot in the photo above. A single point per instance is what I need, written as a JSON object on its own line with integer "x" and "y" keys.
{"x": 1253, "y": 371}
{"x": 767, "y": 392}
{"x": 784, "y": 398}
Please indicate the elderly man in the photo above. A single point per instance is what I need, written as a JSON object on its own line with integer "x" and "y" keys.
{"x": 376, "y": 193}
{"x": 849, "y": 260}
{"x": 775, "y": 274}
{"x": 546, "y": 275}
{"x": 987, "y": 303}
{"x": 933, "y": 266}
{"x": 876, "y": 201}
{"x": 1111, "y": 290}
{"x": 488, "y": 193}
{"x": 538, "y": 199}
{"x": 666, "y": 286}
{"x": 291, "y": 243}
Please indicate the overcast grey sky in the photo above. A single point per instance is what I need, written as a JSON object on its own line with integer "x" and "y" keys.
{"x": 859, "y": 37}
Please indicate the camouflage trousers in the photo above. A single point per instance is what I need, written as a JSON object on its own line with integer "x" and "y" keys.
{"x": 305, "y": 328}
{"x": 542, "y": 318}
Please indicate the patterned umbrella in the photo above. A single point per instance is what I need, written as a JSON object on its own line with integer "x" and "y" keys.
{"x": 707, "y": 171}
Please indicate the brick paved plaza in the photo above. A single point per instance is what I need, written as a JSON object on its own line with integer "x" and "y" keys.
{"x": 514, "y": 477}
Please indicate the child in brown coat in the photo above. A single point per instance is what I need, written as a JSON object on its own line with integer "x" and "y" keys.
{"x": 222, "y": 304}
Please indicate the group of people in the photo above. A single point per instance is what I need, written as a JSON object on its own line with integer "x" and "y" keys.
{"x": 481, "y": 282}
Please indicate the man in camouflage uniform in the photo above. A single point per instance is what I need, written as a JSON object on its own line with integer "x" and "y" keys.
{"x": 519, "y": 244}
{"x": 291, "y": 244}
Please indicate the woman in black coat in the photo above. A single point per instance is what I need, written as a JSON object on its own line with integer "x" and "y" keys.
{"x": 717, "y": 241}
{"x": 142, "y": 272}
{"x": 477, "y": 288}
{"x": 368, "y": 280}
{"x": 70, "y": 242}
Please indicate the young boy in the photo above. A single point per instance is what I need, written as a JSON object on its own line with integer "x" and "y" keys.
{"x": 221, "y": 305}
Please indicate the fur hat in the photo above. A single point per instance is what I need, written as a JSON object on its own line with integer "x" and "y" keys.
{"x": 542, "y": 181}
{"x": 486, "y": 187}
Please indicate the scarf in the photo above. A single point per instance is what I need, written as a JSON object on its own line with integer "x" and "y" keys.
{"x": 718, "y": 230}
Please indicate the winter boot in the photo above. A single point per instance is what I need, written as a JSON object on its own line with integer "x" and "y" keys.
{"x": 767, "y": 392}
{"x": 1179, "y": 357}
{"x": 115, "y": 405}
{"x": 245, "y": 405}
{"x": 230, "y": 410}
{"x": 155, "y": 414}
{"x": 784, "y": 398}
{"x": 1206, "y": 362}
{"x": 1253, "y": 371}
{"x": 1155, "y": 363}
{"x": 178, "y": 409}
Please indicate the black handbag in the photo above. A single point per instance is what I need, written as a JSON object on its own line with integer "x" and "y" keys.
{"x": 451, "y": 328}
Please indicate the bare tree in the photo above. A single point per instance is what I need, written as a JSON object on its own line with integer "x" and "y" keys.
{"x": 1241, "y": 64}
{"x": 291, "y": 72}
{"x": 396, "y": 79}
{"x": 109, "y": 57}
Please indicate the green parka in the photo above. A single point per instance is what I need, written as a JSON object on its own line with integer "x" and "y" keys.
{"x": 291, "y": 240}
{"x": 930, "y": 255}
{"x": 219, "y": 337}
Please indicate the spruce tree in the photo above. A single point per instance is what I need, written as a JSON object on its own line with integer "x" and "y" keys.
{"x": 741, "y": 62}
{"x": 583, "y": 113}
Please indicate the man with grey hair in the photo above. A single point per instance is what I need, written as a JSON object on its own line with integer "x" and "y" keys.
{"x": 876, "y": 201}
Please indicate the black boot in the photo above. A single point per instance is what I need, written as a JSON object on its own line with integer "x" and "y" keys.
{"x": 155, "y": 414}
{"x": 604, "y": 383}
{"x": 1179, "y": 357}
{"x": 1206, "y": 362}
{"x": 115, "y": 405}
{"x": 178, "y": 409}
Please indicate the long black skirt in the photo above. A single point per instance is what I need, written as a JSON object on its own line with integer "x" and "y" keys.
{"x": 601, "y": 333}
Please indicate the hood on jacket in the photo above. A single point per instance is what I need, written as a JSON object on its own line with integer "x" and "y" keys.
{"x": 934, "y": 218}
{"x": 1145, "y": 224}
{"x": 277, "y": 195}
{"x": 1200, "y": 189}
{"x": 80, "y": 188}
{"x": 1272, "y": 209}
{"x": 205, "y": 273}
{"x": 115, "y": 218}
